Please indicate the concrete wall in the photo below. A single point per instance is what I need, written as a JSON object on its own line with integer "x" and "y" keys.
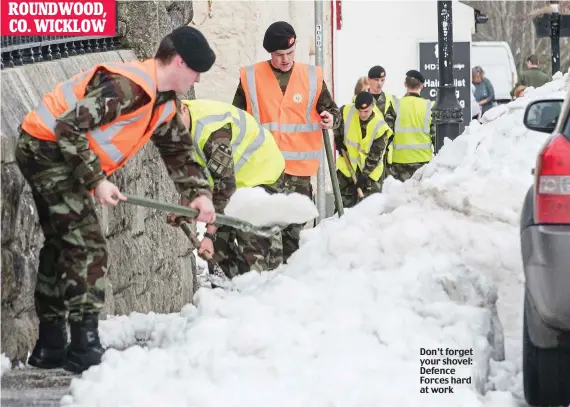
{"x": 392, "y": 43}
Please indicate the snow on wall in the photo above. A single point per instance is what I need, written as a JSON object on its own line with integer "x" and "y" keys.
{"x": 236, "y": 29}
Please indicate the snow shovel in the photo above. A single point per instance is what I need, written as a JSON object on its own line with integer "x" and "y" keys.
{"x": 352, "y": 174}
{"x": 265, "y": 231}
{"x": 332, "y": 171}
{"x": 218, "y": 277}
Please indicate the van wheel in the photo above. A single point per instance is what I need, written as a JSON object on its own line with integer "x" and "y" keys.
{"x": 546, "y": 373}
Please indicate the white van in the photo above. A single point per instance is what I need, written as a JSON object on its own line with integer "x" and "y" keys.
{"x": 496, "y": 59}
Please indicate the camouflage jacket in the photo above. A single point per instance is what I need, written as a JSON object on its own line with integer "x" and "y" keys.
{"x": 107, "y": 96}
{"x": 324, "y": 103}
{"x": 390, "y": 114}
{"x": 377, "y": 148}
{"x": 220, "y": 164}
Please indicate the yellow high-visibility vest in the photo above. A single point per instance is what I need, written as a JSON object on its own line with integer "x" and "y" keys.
{"x": 257, "y": 159}
{"x": 412, "y": 140}
{"x": 358, "y": 147}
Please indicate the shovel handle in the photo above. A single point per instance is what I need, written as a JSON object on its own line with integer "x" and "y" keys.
{"x": 194, "y": 240}
{"x": 352, "y": 174}
{"x": 240, "y": 224}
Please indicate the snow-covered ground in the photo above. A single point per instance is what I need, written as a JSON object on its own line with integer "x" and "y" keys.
{"x": 343, "y": 324}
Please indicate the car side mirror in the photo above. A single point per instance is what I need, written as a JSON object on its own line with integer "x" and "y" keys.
{"x": 542, "y": 115}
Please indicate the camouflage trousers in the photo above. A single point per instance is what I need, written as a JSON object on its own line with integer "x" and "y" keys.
{"x": 348, "y": 191}
{"x": 73, "y": 259}
{"x": 238, "y": 252}
{"x": 292, "y": 233}
{"x": 403, "y": 172}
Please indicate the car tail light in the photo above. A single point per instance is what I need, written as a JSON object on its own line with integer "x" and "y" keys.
{"x": 552, "y": 188}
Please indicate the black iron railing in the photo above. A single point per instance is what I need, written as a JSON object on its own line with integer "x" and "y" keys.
{"x": 18, "y": 51}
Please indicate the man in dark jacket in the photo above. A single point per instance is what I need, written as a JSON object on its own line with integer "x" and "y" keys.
{"x": 533, "y": 76}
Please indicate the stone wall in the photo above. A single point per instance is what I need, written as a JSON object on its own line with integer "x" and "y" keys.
{"x": 150, "y": 262}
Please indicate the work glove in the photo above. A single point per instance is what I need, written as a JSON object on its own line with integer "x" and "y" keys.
{"x": 362, "y": 181}
{"x": 340, "y": 147}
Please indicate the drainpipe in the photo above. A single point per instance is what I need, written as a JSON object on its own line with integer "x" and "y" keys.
{"x": 321, "y": 173}
{"x": 555, "y": 36}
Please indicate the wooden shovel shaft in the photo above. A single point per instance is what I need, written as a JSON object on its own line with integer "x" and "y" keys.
{"x": 352, "y": 174}
{"x": 195, "y": 242}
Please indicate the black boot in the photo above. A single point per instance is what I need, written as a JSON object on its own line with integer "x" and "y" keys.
{"x": 50, "y": 349}
{"x": 85, "y": 349}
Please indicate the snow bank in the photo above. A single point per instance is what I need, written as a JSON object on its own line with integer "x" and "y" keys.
{"x": 343, "y": 324}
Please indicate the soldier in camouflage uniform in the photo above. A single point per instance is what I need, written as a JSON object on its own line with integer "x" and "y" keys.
{"x": 234, "y": 251}
{"x": 413, "y": 111}
{"x": 280, "y": 42}
{"x": 385, "y": 103}
{"x": 57, "y": 156}
{"x": 369, "y": 118}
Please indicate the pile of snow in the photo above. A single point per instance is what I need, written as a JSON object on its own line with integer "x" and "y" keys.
{"x": 258, "y": 207}
{"x": 5, "y": 364}
{"x": 343, "y": 324}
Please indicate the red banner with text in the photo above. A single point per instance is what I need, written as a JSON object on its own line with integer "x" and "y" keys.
{"x": 59, "y": 18}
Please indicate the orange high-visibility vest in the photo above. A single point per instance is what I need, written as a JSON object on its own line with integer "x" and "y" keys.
{"x": 292, "y": 117}
{"x": 115, "y": 143}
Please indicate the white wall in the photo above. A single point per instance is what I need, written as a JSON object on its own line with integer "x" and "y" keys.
{"x": 235, "y": 30}
{"x": 395, "y": 29}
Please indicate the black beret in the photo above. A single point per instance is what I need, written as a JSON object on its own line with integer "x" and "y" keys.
{"x": 363, "y": 100}
{"x": 416, "y": 75}
{"x": 376, "y": 72}
{"x": 193, "y": 48}
{"x": 279, "y": 36}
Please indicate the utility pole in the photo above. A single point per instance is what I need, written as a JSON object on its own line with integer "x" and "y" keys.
{"x": 319, "y": 59}
{"x": 555, "y": 26}
{"x": 555, "y": 36}
{"x": 447, "y": 112}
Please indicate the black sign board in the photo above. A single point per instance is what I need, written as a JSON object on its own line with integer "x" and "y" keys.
{"x": 429, "y": 67}
{"x": 543, "y": 26}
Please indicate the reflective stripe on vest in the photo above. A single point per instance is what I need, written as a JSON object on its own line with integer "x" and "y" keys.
{"x": 425, "y": 129}
{"x": 241, "y": 124}
{"x": 291, "y": 116}
{"x": 71, "y": 99}
{"x": 244, "y": 129}
{"x": 284, "y": 127}
{"x": 104, "y": 138}
{"x": 360, "y": 160}
{"x": 412, "y": 141}
{"x": 114, "y": 142}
